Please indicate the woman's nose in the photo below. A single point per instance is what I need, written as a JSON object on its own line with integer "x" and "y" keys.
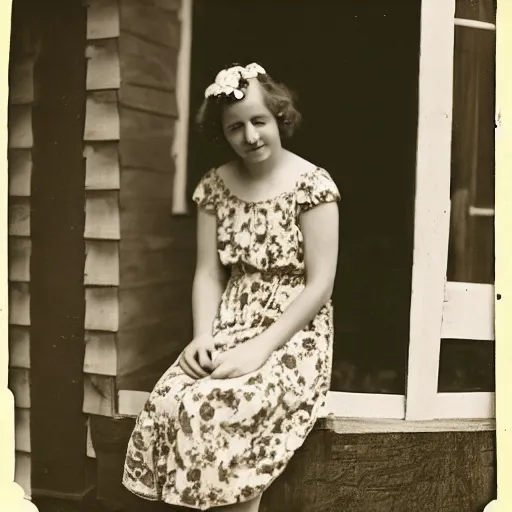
{"x": 251, "y": 135}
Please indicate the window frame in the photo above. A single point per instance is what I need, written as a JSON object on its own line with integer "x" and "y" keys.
{"x": 450, "y": 310}
{"x": 437, "y": 306}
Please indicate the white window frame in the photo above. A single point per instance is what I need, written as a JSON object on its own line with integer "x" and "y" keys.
{"x": 455, "y": 310}
{"x": 179, "y": 150}
{"x": 438, "y": 308}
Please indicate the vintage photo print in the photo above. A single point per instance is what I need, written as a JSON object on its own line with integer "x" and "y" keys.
{"x": 256, "y": 255}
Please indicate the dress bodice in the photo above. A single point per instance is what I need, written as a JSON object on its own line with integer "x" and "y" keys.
{"x": 264, "y": 236}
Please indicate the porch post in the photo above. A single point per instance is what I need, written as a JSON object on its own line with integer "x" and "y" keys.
{"x": 58, "y": 428}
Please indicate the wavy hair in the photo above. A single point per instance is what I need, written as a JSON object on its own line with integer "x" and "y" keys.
{"x": 279, "y": 99}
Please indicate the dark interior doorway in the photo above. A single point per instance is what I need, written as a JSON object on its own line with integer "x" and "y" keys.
{"x": 354, "y": 66}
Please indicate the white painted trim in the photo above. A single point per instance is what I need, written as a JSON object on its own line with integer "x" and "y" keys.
{"x": 339, "y": 404}
{"x": 459, "y": 22}
{"x": 364, "y": 405}
{"x": 475, "y": 211}
{"x": 468, "y": 312}
{"x": 180, "y": 143}
{"x": 384, "y": 413}
{"x": 463, "y": 406}
{"x": 131, "y": 402}
{"x": 432, "y": 204}
{"x": 388, "y": 426}
{"x": 91, "y": 452}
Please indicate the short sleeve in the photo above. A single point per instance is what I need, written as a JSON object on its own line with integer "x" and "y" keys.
{"x": 206, "y": 194}
{"x": 315, "y": 188}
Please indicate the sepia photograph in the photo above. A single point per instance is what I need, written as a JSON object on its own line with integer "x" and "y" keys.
{"x": 251, "y": 255}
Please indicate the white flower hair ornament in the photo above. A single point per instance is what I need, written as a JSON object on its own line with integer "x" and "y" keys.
{"x": 228, "y": 80}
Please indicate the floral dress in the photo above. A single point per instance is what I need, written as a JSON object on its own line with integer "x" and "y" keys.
{"x": 207, "y": 442}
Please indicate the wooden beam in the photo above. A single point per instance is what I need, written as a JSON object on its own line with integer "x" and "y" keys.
{"x": 482, "y": 25}
{"x": 19, "y": 347}
{"x": 102, "y": 166}
{"x": 101, "y": 263}
{"x": 345, "y": 426}
{"x": 180, "y": 142}
{"x": 102, "y": 19}
{"x": 58, "y": 251}
{"x": 20, "y": 249}
{"x": 103, "y": 68}
{"x": 432, "y": 204}
{"x": 100, "y": 353}
{"x": 102, "y": 117}
{"x": 20, "y": 172}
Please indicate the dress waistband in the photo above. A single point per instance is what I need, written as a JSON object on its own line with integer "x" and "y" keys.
{"x": 241, "y": 270}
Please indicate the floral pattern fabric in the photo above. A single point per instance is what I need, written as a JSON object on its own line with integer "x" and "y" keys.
{"x": 207, "y": 442}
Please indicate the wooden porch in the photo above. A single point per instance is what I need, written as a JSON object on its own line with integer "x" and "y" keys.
{"x": 356, "y": 466}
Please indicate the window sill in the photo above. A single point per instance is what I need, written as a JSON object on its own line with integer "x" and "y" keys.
{"x": 131, "y": 402}
{"x": 377, "y": 426}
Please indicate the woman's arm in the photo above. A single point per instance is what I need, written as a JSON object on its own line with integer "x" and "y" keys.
{"x": 207, "y": 289}
{"x": 209, "y": 278}
{"x": 320, "y": 233}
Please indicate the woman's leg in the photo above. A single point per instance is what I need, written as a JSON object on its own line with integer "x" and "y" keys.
{"x": 248, "y": 506}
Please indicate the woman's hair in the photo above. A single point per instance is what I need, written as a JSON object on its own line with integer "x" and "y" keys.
{"x": 278, "y": 98}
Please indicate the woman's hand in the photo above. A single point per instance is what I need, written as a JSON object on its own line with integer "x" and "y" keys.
{"x": 195, "y": 360}
{"x": 242, "y": 359}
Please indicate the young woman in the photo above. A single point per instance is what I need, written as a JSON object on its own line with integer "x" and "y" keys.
{"x": 222, "y": 423}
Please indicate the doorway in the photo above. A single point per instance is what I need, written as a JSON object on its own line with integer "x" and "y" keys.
{"x": 354, "y": 66}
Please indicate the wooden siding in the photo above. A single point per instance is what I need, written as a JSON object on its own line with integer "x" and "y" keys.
{"x": 150, "y": 287}
{"x": 21, "y": 139}
{"x": 58, "y": 438}
{"x": 133, "y": 295}
{"x": 102, "y": 208}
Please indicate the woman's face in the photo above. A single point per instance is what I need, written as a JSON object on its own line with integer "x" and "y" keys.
{"x": 250, "y": 128}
